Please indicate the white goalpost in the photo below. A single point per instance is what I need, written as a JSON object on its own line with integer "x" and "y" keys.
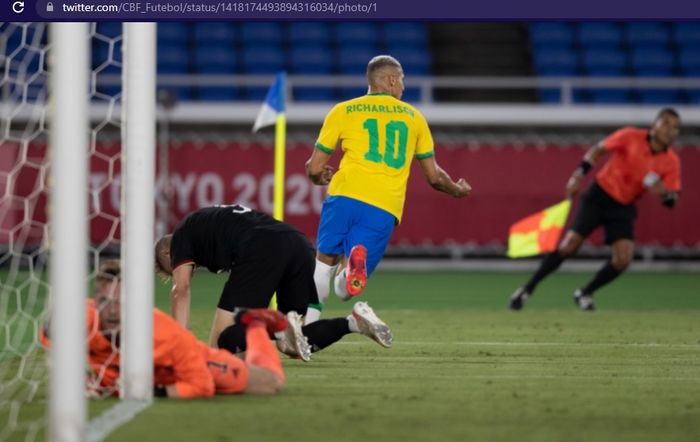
{"x": 139, "y": 150}
{"x": 68, "y": 142}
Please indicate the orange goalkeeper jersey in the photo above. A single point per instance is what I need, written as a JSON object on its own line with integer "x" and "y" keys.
{"x": 195, "y": 369}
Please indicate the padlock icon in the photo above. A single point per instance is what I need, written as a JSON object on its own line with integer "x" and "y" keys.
{"x": 49, "y": 7}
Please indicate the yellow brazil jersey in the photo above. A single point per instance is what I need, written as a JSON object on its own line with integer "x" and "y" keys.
{"x": 379, "y": 136}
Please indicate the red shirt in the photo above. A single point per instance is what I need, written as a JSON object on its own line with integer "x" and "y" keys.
{"x": 632, "y": 159}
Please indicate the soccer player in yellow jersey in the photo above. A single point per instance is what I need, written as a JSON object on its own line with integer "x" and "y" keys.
{"x": 379, "y": 135}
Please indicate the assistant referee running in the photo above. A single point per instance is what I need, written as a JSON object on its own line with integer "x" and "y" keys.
{"x": 641, "y": 160}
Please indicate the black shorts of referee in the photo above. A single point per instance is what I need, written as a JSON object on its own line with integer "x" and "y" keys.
{"x": 597, "y": 208}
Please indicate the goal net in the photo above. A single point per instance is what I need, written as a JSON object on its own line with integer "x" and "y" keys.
{"x": 27, "y": 55}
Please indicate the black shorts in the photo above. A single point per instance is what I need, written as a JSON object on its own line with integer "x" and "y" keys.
{"x": 272, "y": 261}
{"x": 597, "y": 208}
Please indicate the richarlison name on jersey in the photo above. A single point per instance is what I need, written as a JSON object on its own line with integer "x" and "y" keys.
{"x": 380, "y": 108}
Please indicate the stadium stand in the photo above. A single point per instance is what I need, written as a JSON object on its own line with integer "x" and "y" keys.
{"x": 547, "y": 49}
{"x": 303, "y": 48}
{"x": 605, "y": 49}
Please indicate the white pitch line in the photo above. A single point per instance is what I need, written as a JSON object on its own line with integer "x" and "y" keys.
{"x": 100, "y": 427}
{"x": 537, "y": 344}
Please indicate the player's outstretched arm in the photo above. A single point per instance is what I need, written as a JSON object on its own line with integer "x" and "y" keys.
{"x": 573, "y": 186}
{"x": 180, "y": 294}
{"x": 317, "y": 168}
{"x": 441, "y": 181}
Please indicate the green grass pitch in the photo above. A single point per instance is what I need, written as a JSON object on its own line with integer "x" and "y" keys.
{"x": 463, "y": 367}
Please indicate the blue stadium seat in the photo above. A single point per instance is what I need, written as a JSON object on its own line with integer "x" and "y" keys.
{"x": 173, "y": 32}
{"x": 552, "y": 34}
{"x": 267, "y": 33}
{"x": 348, "y": 93}
{"x": 315, "y": 33}
{"x": 602, "y": 62}
{"x": 263, "y": 59}
{"x": 692, "y": 96}
{"x": 314, "y": 94}
{"x": 17, "y": 37}
{"x": 102, "y": 51}
{"x": 405, "y": 33}
{"x": 659, "y": 96}
{"x": 556, "y": 62}
{"x": 214, "y": 33}
{"x": 353, "y": 60}
{"x": 311, "y": 60}
{"x": 25, "y": 62}
{"x": 648, "y": 35}
{"x": 689, "y": 61}
{"x": 111, "y": 70}
{"x": 356, "y": 32}
{"x": 215, "y": 60}
{"x": 599, "y": 34}
{"x": 219, "y": 93}
{"x": 109, "y": 29}
{"x": 173, "y": 59}
{"x": 414, "y": 61}
{"x": 652, "y": 62}
{"x": 686, "y": 33}
{"x": 411, "y": 95}
{"x": 609, "y": 96}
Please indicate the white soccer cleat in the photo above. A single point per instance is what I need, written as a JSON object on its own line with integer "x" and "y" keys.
{"x": 584, "y": 300}
{"x": 371, "y": 326}
{"x": 292, "y": 341}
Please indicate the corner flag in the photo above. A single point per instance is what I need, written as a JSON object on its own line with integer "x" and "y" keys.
{"x": 272, "y": 111}
{"x": 538, "y": 233}
{"x": 273, "y": 106}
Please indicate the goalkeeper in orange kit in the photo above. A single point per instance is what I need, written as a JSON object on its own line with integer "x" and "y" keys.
{"x": 183, "y": 367}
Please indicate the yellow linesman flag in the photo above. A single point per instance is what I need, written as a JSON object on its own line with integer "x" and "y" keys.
{"x": 538, "y": 233}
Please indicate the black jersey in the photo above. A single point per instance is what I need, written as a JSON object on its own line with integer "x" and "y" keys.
{"x": 212, "y": 237}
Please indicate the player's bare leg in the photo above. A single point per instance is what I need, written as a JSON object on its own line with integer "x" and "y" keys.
{"x": 622, "y": 254}
{"x": 551, "y": 262}
{"x": 222, "y": 320}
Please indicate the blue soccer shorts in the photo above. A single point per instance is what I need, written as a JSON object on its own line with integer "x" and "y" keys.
{"x": 346, "y": 222}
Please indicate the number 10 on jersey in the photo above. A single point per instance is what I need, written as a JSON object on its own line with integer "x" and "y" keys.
{"x": 396, "y": 137}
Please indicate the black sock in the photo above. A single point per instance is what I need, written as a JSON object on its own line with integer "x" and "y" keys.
{"x": 233, "y": 338}
{"x": 325, "y": 332}
{"x": 550, "y": 263}
{"x": 606, "y": 274}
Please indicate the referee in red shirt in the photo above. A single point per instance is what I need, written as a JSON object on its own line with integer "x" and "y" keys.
{"x": 641, "y": 160}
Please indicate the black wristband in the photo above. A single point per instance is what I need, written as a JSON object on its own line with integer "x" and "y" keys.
{"x": 585, "y": 167}
{"x": 669, "y": 199}
{"x": 160, "y": 391}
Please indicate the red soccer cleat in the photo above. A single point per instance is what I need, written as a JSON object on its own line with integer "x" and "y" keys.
{"x": 356, "y": 270}
{"x": 273, "y": 320}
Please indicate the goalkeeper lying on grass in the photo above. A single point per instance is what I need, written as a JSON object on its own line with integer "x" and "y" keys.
{"x": 183, "y": 367}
